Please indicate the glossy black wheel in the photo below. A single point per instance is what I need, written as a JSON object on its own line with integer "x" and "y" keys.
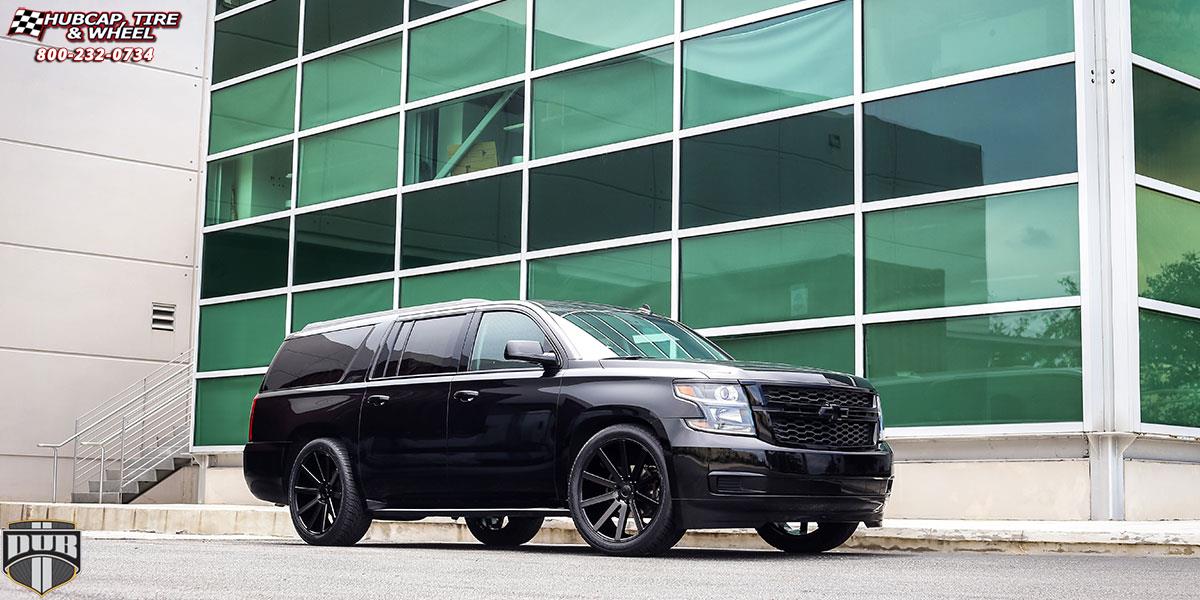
{"x": 806, "y": 538}
{"x": 504, "y": 531}
{"x": 326, "y": 506}
{"x": 620, "y": 494}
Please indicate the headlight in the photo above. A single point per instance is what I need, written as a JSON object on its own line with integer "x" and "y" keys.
{"x": 879, "y": 407}
{"x": 724, "y": 406}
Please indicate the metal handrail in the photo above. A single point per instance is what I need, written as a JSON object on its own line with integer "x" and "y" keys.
{"x": 145, "y": 423}
{"x": 184, "y": 357}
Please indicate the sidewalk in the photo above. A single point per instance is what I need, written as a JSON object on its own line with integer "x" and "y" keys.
{"x": 1159, "y": 538}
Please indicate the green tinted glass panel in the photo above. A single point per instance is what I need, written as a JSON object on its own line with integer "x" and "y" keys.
{"x": 569, "y": 29}
{"x": 329, "y": 22}
{"x": 351, "y": 82}
{"x": 1170, "y": 369}
{"x": 224, "y": 5}
{"x": 831, "y": 349}
{"x": 240, "y": 335}
{"x": 489, "y": 123}
{"x": 620, "y": 194}
{"x": 253, "y": 111}
{"x": 348, "y": 241}
{"x": 1166, "y": 31}
{"x": 1013, "y": 247}
{"x": 613, "y": 101}
{"x": 245, "y": 259}
{"x": 260, "y": 37}
{"x": 784, "y": 273}
{"x": 773, "y": 168}
{"x": 349, "y": 161}
{"x": 996, "y": 130}
{"x": 425, "y": 8}
{"x": 1011, "y": 368}
{"x": 697, "y": 13}
{"x": 628, "y": 277}
{"x": 468, "y": 49}
{"x": 473, "y": 219}
{"x": 248, "y": 185}
{"x": 497, "y": 282}
{"x": 335, "y": 303}
{"x": 915, "y": 40}
{"x": 223, "y": 409}
{"x": 1166, "y": 117}
{"x": 1168, "y": 248}
{"x": 793, "y": 60}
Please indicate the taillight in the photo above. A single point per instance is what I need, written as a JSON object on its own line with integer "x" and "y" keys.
{"x": 250, "y": 433}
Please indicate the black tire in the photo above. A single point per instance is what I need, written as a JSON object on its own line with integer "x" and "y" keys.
{"x": 639, "y": 490}
{"x": 504, "y": 532}
{"x": 324, "y": 498}
{"x": 826, "y": 536}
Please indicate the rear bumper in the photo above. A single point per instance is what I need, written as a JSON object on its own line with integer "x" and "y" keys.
{"x": 262, "y": 465}
{"x": 744, "y": 482}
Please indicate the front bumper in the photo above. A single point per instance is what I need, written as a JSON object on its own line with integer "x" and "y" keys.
{"x": 730, "y": 481}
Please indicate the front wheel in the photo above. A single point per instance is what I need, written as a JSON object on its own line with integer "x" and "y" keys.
{"x": 325, "y": 502}
{"x": 504, "y": 532}
{"x": 798, "y": 538}
{"x": 620, "y": 494}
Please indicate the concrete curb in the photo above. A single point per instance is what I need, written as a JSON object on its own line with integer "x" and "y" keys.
{"x": 1123, "y": 538}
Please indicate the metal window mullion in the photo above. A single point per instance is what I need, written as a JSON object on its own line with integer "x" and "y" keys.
{"x": 526, "y": 152}
{"x": 676, "y": 272}
{"x": 198, "y": 242}
{"x": 295, "y": 191}
{"x": 400, "y": 153}
{"x": 1122, "y": 216}
{"x": 860, "y": 247}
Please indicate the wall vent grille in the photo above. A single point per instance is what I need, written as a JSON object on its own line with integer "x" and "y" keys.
{"x": 162, "y": 316}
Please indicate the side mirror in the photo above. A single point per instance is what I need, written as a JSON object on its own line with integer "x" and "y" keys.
{"x": 530, "y": 351}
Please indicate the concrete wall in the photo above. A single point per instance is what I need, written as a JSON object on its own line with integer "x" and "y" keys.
{"x": 99, "y": 174}
{"x": 1161, "y": 490}
{"x": 1027, "y": 490}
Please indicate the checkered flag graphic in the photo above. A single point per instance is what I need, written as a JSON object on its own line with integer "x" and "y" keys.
{"x": 27, "y": 22}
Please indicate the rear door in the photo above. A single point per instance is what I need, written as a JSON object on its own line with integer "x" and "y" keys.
{"x": 402, "y": 449}
{"x": 501, "y": 422}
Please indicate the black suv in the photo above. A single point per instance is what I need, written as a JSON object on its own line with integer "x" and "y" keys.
{"x": 507, "y": 412}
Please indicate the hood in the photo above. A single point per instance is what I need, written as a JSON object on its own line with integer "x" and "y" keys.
{"x": 743, "y": 371}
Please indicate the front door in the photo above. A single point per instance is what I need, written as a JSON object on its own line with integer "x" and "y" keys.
{"x": 402, "y": 428}
{"x": 500, "y": 444}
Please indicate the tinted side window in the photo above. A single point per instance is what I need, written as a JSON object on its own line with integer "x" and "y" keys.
{"x": 497, "y": 329}
{"x": 433, "y": 346}
{"x": 314, "y": 359}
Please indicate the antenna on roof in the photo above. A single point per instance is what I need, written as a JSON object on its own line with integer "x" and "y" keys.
{"x": 645, "y": 309}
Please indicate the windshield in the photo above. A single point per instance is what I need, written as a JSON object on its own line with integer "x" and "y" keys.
{"x": 620, "y": 334}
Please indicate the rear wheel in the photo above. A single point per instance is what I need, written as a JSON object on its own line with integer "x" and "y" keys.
{"x": 504, "y": 531}
{"x": 620, "y": 494}
{"x": 324, "y": 499}
{"x": 801, "y": 538}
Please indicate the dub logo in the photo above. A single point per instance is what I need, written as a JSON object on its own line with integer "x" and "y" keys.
{"x": 41, "y": 555}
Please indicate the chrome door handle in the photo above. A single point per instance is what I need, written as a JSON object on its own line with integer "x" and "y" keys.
{"x": 377, "y": 400}
{"x": 465, "y": 395}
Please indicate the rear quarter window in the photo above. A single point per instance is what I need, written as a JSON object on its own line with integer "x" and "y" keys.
{"x": 318, "y": 359}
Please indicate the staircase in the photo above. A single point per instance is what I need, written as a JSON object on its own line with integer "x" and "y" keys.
{"x": 134, "y": 440}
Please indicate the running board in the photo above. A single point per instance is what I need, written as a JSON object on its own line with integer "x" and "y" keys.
{"x": 416, "y": 514}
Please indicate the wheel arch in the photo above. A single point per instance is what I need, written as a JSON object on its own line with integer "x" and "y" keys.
{"x": 593, "y": 421}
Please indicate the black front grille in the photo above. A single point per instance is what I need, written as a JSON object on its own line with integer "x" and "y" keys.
{"x": 801, "y": 431}
{"x": 794, "y": 397}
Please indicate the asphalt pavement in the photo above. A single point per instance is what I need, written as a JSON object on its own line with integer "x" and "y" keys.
{"x": 197, "y": 568}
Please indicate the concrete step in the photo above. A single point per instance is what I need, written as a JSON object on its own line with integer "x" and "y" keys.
{"x": 145, "y": 480}
{"x": 1130, "y": 538}
{"x": 94, "y": 497}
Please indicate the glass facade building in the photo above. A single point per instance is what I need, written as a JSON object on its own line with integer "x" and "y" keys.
{"x": 941, "y": 195}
